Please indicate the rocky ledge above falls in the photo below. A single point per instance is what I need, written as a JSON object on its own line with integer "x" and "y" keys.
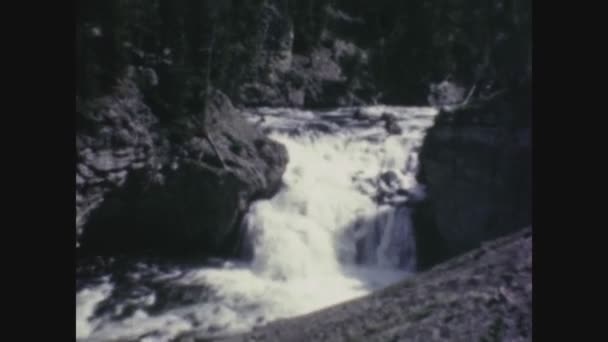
{"x": 483, "y": 295}
{"x": 147, "y": 187}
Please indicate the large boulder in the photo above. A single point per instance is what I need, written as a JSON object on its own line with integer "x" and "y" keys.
{"x": 476, "y": 163}
{"x": 144, "y": 188}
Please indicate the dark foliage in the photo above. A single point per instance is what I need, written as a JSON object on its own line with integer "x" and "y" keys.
{"x": 193, "y": 45}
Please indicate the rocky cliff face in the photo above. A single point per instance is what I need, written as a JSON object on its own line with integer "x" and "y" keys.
{"x": 476, "y": 162}
{"x": 170, "y": 189}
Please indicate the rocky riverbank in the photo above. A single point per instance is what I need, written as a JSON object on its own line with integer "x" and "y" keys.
{"x": 178, "y": 189}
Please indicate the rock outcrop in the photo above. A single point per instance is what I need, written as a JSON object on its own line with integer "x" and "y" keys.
{"x": 172, "y": 189}
{"x": 483, "y": 295}
{"x": 476, "y": 163}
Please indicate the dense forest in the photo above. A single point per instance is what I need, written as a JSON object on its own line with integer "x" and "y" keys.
{"x": 387, "y": 51}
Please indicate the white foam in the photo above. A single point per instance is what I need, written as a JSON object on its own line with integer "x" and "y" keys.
{"x": 160, "y": 328}
{"x": 86, "y": 302}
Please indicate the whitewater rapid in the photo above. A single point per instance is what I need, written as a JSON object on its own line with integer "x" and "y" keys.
{"x": 338, "y": 229}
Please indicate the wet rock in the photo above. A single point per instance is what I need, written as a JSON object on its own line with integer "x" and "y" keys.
{"x": 359, "y": 115}
{"x": 393, "y": 128}
{"x": 390, "y": 178}
{"x": 390, "y": 123}
{"x": 386, "y": 116}
{"x": 323, "y": 127}
{"x": 478, "y": 176}
{"x": 178, "y": 197}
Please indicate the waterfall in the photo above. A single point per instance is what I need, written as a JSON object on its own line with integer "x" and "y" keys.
{"x": 338, "y": 229}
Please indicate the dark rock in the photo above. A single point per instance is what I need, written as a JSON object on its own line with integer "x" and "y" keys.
{"x": 392, "y": 128}
{"x": 84, "y": 171}
{"x": 323, "y": 127}
{"x": 177, "y": 198}
{"x": 390, "y": 123}
{"x": 478, "y": 177}
{"x": 388, "y": 117}
{"x": 389, "y": 178}
{"x": 358, "y": 115}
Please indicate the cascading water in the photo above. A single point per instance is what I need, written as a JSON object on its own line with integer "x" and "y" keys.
{"x": 338, "y": 229}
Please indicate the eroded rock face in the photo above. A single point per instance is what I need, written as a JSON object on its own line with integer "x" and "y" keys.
{"x": 390, "y": 123}
{"x": 476, "y": 163}
{"x": 146, "y": 188}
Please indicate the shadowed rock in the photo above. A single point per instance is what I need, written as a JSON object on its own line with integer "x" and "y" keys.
{"x": 165, "y": 191}
{"x": 477, "y": 168}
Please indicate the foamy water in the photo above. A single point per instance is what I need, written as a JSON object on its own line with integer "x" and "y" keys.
{"x": 338, "y": 229}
